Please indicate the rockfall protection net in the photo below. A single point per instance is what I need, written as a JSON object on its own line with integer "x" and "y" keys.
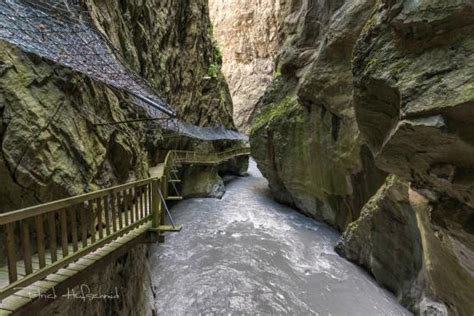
{"x": 59, "y": 31}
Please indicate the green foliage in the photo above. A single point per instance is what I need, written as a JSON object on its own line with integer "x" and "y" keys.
{"x": 217, "y": 55}
{"x": 287, "y": 109}
{"x": 214, "y": 70}
{"x": 215, "y": 67}
{"x": 277, "y": 74}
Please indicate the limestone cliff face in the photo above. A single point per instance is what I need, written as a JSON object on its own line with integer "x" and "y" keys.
{"x": 414, "y": 104}
{"x": 370, "y": 88}
{"x": 249, "y": 34}
{"x": 305, "y": 137}
{"x": 50, "y": 147}
{"x": 386, "y": 240}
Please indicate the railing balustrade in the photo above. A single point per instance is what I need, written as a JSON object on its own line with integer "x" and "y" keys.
{"x": 40, "y": 240}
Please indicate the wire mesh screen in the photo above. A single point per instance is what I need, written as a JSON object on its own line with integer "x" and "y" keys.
{"x": 59, "y": 31}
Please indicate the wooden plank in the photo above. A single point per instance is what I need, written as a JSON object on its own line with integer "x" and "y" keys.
{"x": 64, "y": 233}
{"x": 174, "y": 198}
{"x": 107, "y": 215}
{"x": 52, "y": 236}
{"x": 74, "y": 234}
{"x": 91, "y": 216}
{"x": 26, "y": 245}
{"x": 114, "y": 209}
{"x": 99, "y": 218}
{"x": 142, "y": 201}
{"x": 146, "y": 199}
{"x": 38, "y": 275}
{"x": 40, "y": 243}
{"x": 14, "y": 302}
{"x": 125, "y": 207}
{"x": 11, "y": 252}
{"x": 120, "y": 201}
{"x": 131, "y": 204}
{"x": 56, "y": 278}
{"x": 150, "y": 199}
{"x": 167, "y": 228}
{"x": 155, "y": 203}
{"x": 136, "y": 203}
{"x": 83, "y": 219}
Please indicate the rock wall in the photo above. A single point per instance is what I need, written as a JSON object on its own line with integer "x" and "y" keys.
{"x": 50, "y": 147}
{"x": 386, "y": 240}
{"x": 370, "y": 88}
{"x": 125, "y": 287}
{"x": 305, "y": 137}
{"x": 249, "y": 35}
{"x": 413, "y": 100}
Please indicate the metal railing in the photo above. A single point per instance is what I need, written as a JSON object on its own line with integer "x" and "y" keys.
{"x": 39, "y": 240}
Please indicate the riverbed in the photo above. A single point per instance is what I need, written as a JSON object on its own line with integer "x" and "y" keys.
{"x": 247, "y": 254}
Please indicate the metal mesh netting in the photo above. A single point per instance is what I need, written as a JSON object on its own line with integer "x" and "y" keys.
{"x": 59, "y": 31}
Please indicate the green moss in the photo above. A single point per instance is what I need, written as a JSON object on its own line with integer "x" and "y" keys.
{"x": 214, "y": 70}
{"x": 286, "y": 108}
{"x": 469, "y": 91}
{"x": 217, "y": 55}
{"x": 277, "y": 74}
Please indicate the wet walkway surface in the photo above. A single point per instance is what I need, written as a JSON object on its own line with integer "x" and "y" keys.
{"x": 248, "y": 254}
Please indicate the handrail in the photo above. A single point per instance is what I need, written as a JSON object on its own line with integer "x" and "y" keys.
{"x": 35, "y": 210}
{"x": 68, "y": 229}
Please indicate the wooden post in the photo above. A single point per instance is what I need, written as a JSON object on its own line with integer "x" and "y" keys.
{"x": 40, "y": 240}
{"x": 164, "y": 193}
{"x": 11, "y": 252}
{"x": 155, "y": 203}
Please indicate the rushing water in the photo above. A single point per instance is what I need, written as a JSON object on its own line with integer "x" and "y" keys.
{"x": 248, "y": 254}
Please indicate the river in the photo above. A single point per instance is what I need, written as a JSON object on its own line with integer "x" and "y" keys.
{"x": 247, "y": 254}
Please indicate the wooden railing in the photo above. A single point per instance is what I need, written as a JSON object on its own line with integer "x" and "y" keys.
{"x": 40, "y": 240}
{"x": 193, "y": 157}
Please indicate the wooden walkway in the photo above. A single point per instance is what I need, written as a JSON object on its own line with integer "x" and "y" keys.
{"x": 50, "y": 246}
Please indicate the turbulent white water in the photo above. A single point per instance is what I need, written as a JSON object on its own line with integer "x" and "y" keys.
{"x": 248, "y": 254}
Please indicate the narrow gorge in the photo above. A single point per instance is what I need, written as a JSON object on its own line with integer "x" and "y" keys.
{"x": 301, "y": 157}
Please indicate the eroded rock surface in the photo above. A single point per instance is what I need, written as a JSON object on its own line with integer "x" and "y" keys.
{"x": 414, "y": 104}
{"x": 50, "y": 147}
{"x": 415, "y": 93}
{"x": 385, "y": 239}
{"x": 305, "y": 137}
{"x": 248, "y": 34}
{"x": 370, "y": 88}
{"x": 202, "y": 182}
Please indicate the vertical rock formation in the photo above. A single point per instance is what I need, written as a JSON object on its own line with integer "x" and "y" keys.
{"x": 370, "y": 88}
{"x": 414, "y": 105}
{"x": 50, "y": 147}
{"x": 249, "y": 35}
{"x": 386, "y": 240}
{"x": 305, "y": 138}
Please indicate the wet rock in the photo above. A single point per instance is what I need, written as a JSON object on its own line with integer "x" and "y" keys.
{"x": 304, "y": 135}
{"x": 413, "y": 92}
{"x": 202, "y": 182}
{"x": 370, "y": 88}
{"x": 386, "y": 240}
{"x": 447, "y": 234}
{"x": 413, "y": 101}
